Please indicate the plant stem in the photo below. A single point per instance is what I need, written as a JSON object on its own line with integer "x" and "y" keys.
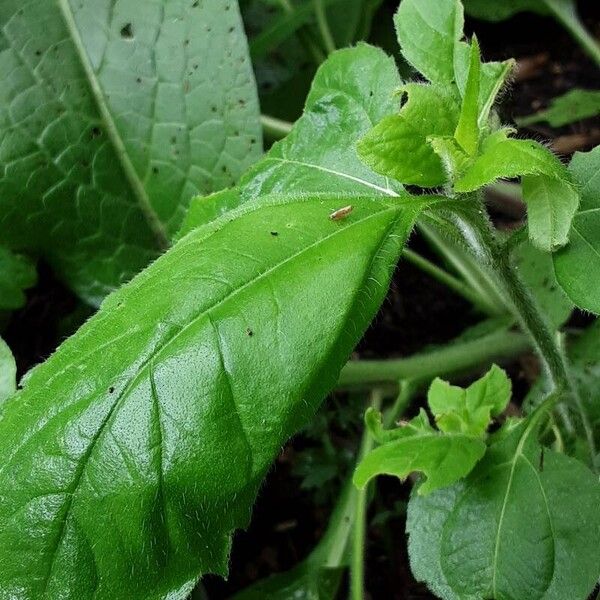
{"x": 451, "y": 282}
{"x": 274, "y": 128}
{"x": 479, "y": 233}
{"x": 357, "y": 565}
{"x": 462, "y": 356}
{"x": 324, "y": 26}
{"x": 565, "y": 13}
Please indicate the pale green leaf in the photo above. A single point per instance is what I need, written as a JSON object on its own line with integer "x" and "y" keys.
{"x": 577, "y": 263}
{"x": 112, "y": 116}
{"x": 511, "y": 529}
{"x": 204, "y": 209}
{"x": 571, "y": 107}
{"x": 17, "y": 273}
{"x": 8, "y": 372}
{"x": 454, "y": 159}
{"x": 467, "y": 130}
{"x": 352, "y": 91}
{"x": 397, "y": 146}
{"x": 130, "y": 455}
{"x": 443, "y": 458}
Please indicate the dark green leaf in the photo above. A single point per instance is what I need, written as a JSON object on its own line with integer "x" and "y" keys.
{"x": 499, "y": 10}
{"x": 511, "y": 529}
{"x": 571, "y": 107}
{"x": 17, "y": 273}
{"x": 113, "y": 115}
{"x": 576, "y": 263}
{"x": 131, "y": 454}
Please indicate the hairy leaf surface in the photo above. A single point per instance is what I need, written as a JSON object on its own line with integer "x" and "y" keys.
{"x": 132, "y": 453}
{"x": 112, "y": 116}
{"x": 575, "y": 263}
{"x": 511, "y": 529}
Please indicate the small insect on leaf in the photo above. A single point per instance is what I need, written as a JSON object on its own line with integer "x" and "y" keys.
{"x": 341, "y": 213}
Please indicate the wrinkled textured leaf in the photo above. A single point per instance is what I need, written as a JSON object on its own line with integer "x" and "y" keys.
{"x": 397, "y": 146}
{"x": 547, "y": 190}
{"x": 352, "y": 91}
{"x": 511, "y": 529}
{"x": 112, "y": 116}
{"x": 132, "y": 453}
{"x": 576, "y": 263}
{"x": 469, "y": 411}
{"x": 17, "y": 273}
{"x": 8, "y": 372}
{"x": 573, "y": 106}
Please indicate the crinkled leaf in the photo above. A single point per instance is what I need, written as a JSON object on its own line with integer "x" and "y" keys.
{"x": 353, "y": 90}
{"x": 112, "y": 116}
{"x": 17, "y": 273}
{"x": 469, "y": 411}
{"x": 511, "y": 529}
{"x": 397, "y": 146}
{"x": 374, "y": 423}
{"x": 131, "y": 454}
{"x": 577, "y": 263}
{"x": 547, "y": 190}
{"x": 8, "y": 372}
{"x": 443, "y": 458}
{"x": 571, "y": 107}
{"x": 537, "y": 271}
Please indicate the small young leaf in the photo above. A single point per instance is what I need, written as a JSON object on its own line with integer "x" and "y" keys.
{"x": 577, "y": 263}
{"x": 467, "y": 130}
{"x": 8, "y": 372}
{"x": 17, "y": 273}
{"x": 469, "y": 411}
{"x": 573, "y": 106}
{"x": 443, "y": 458}
{"x": 131, "y": 454}
{"x": 397, "y": 146}
{"x": 514, "y": 514}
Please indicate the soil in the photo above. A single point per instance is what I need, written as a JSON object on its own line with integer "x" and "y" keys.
{"x": 287, "y": 522}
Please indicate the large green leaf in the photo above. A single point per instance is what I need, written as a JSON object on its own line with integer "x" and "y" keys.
{"x": 352, "y": 91}
{"x": 576, "y": 263}
{"x": 17, "y": 273}
{"x": 8, "y": 372}
{"x": 523, "y": 525}
{"x": 132, "y": 453}
{"x": 112, "y": 116}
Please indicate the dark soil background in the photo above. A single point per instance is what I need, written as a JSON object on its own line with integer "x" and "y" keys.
{"x": 289, "y": 519}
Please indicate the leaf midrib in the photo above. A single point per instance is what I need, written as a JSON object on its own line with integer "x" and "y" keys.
{"x": 143, "y": 200}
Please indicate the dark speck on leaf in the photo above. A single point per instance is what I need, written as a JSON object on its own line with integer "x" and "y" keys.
{"x": 249, "y": 332}
{"x": 111, "y": 389}
{"x": 95, "y": 132}
{"x": 127, "y": 31}
{"x": 274, "y": 233}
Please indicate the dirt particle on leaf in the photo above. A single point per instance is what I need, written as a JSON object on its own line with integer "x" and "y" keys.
{"x": 127, "y": 31}
{"x": 274, "y": 233}
{"x": 249, "y": 332}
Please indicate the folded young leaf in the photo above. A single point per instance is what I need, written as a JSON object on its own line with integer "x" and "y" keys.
{"x": 510, "y": 530}
{"x": 17, "y": 273}
{"x": 352, "y": 91}
{"x": 551, "y": 198}
{"x": 8, "y": 372}
{"x": 467, "y": 130}
{"x": 469, "y": 411}
{"x": 113, "y": 115}
{"x": 131, "y": 454}
{"x": 577, "y": 263}
{"x": 397, "y": 146}
{"x": 443, "y": 458}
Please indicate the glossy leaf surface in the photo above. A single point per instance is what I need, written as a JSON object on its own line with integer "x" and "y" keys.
{"x": 8, "y": 372}
{"x": 113, "y": 115}
{"x": 132, "y": 453}
{"x": 576, "y": 263}
{"x": 511, "y": 529}
{"x": 17, "y": 273}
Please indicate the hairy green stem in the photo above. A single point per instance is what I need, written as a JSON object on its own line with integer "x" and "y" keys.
{"x": 273, "y": 128}
{"x": 357, "y": 564}
{"x": 458, "y": 357}
{"x": 451, "y": 282}
{"x": 323, "y": 24}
